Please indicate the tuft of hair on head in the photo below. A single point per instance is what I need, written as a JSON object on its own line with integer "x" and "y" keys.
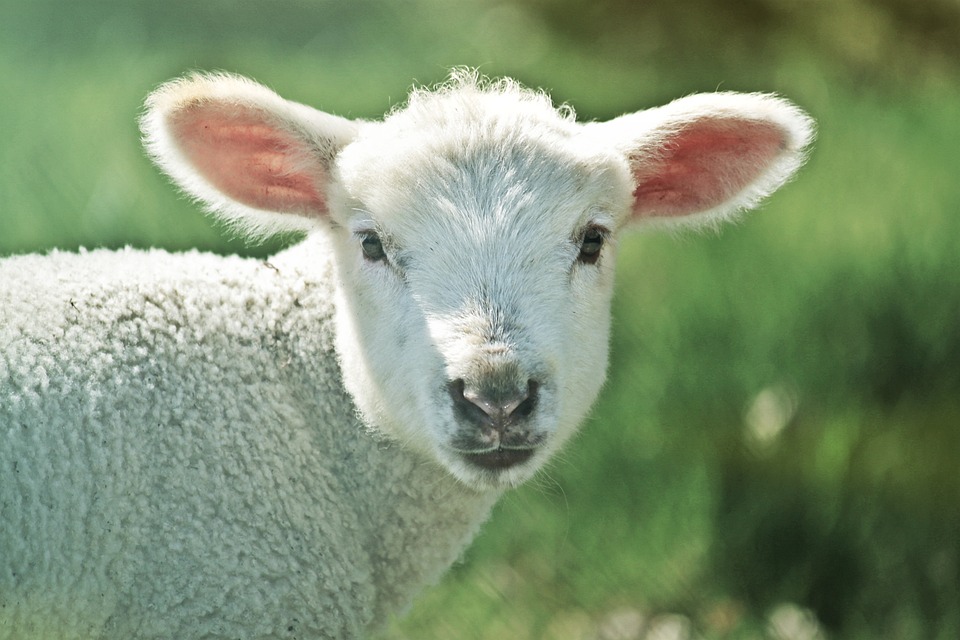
{"x": 467, "y": 90}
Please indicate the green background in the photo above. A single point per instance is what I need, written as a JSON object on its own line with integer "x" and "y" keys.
{"x": 775, "y": 453}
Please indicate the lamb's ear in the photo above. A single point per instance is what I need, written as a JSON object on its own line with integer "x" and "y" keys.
{"x": 259, "y": 162}
{"x": 703, "y": 158}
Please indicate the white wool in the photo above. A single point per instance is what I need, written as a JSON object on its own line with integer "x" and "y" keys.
{"x": 203, "y": 446}
{"x": 180, "y": 459}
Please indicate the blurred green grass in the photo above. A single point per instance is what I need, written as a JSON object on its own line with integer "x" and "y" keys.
{"x": 781, "y": 420}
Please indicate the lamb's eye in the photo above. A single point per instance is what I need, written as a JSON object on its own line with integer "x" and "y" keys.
{"x": 590, "y": 245}
{"x": 372, "y": 247}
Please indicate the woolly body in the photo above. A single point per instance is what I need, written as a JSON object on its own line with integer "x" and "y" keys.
{"x": 180, "y": 459}
{"x": 201, "y": 446}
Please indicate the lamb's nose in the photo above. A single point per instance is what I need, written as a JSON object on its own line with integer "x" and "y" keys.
{"x": 493, "y": 409}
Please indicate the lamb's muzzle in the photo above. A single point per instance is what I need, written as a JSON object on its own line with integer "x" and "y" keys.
{"x": 494, "y": 424}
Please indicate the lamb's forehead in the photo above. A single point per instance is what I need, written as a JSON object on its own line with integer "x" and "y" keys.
{"x": 463, "y": 115}
{"x": 469, "y": 137}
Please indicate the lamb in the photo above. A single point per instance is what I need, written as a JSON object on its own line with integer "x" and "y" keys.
{"x": 196, "y": 446}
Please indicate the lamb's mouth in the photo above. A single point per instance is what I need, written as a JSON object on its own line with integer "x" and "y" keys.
{"x": 498, "y": 459}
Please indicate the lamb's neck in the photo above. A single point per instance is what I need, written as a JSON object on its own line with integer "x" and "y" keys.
{"x": 424, "y": 522}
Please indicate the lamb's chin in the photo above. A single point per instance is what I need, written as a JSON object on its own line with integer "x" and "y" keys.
{"x": 492, "y": 471}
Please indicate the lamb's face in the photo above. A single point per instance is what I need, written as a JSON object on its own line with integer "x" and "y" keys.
{"x": 477, "y": 266}
{"x": 474, "y": 236}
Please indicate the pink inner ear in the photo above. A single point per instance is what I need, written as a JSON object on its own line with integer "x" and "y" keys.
{"x": 703, "y": 165}
{"x": 249, "y": 158}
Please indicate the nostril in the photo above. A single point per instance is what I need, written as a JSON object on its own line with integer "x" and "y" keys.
{"x": 529, "y": 402}
{"x": 467, "y": 408}
{"x": 495, "y": 409}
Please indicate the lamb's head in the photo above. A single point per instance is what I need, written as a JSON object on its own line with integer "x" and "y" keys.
{"x": 475, "y": 231}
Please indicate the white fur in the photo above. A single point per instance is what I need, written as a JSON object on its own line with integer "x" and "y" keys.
{"x": 198, "y": 446}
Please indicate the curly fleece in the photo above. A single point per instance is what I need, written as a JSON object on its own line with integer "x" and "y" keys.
{"x": 179, "y": 458}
